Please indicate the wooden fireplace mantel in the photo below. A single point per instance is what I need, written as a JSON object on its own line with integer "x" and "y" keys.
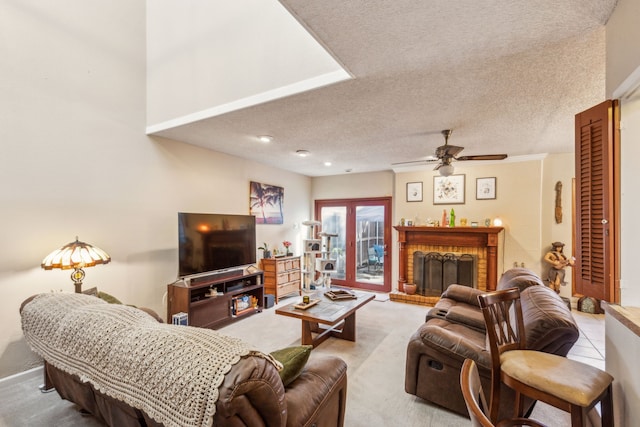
{"x": 475, "y": 237}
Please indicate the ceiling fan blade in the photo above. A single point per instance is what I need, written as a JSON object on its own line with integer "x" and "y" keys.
{"x": 483, "y": 157}
{"x": 448, "y": 151}
{"x": 413, "y": 162}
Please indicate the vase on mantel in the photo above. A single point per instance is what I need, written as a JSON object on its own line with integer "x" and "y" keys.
{"x": 409, "y": 288}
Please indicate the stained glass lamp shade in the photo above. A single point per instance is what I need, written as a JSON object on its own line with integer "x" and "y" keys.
{"x": 76, "y": 255}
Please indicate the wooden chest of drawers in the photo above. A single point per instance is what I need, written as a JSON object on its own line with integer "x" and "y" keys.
{"x": 281, "y": 276}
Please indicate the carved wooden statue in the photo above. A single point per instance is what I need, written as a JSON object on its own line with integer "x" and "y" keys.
{"x": 558, "y": 261}
{"x": 558, "y": 202}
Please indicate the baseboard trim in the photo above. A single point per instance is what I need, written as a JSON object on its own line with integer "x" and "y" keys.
{"x": 23, "y": 376}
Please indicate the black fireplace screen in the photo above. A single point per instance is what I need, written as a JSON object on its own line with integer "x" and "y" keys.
{"x": 433, "y": 272}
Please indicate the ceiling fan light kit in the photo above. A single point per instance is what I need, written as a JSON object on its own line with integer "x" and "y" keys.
{"x": 446, "y": 170}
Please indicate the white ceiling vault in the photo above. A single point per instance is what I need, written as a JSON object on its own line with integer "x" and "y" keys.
{"x": 507, "y": 77}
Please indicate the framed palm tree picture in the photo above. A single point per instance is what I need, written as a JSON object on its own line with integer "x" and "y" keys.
{"x": 266, "y": 203}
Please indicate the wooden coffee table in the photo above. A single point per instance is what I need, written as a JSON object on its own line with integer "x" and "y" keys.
{"x": 339, "y": 316}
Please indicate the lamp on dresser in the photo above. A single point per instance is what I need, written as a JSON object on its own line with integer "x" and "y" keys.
{"x": 76, "y": 255}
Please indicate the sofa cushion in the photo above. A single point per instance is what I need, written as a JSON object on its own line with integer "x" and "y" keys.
{"x": 459, "y": 304}
{"x": 520, "y": 278}
{"x": 293, "y": 360}
{"x": 327, "y": 377}
{"x": 467, "y": 315}
{"x": 549, "y": 325}
{"x": 461, "y": 293}
{"x": 455, "y": 340}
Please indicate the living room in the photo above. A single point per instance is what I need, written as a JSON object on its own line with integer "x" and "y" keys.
{"x": 77, "y": 162}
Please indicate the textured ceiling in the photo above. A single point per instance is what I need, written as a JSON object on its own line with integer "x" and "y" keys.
{"x": 507, "y": 77}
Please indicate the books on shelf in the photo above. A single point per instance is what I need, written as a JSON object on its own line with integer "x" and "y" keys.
{"x": 243, "y": 304}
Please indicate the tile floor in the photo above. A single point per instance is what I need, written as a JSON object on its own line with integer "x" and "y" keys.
{"x": 590, "y": 345}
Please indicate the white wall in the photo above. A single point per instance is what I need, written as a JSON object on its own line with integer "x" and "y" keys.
{"x": 623, "y": 81}
{"x": 75, "y": 161}
{"x": 623, "y": 78}
{"x": 622, "y": 354}
{"x": 355, "y": 185}
{"x": 630, "y": 202}
{"x": 211, "y": 57}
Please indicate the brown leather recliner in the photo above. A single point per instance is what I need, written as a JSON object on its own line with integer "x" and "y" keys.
{"x": 454, "y": 331}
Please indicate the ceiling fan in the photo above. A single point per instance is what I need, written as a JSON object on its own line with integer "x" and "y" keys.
{"x": 446, "y": 153}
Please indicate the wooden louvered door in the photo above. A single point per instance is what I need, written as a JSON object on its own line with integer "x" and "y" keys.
{"x": 596, "y": 186}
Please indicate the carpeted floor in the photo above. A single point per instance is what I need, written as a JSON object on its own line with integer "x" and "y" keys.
{"x": 376, "y": 395}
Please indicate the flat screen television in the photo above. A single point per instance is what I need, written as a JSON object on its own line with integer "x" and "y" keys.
{"x": 214, "y": 242}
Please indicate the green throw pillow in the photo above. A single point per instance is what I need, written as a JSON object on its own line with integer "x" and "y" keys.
{"x": 293, "y": 360}
{"x": 108, "y": 298}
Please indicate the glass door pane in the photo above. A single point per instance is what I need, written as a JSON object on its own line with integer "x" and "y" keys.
{"x": 334, "y": 221}
{"x": 370, "y": 244}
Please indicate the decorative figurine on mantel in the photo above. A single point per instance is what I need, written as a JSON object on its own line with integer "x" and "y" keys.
{"x": 558, "y": 261}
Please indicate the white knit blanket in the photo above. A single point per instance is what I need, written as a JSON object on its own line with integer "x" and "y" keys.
{"x": 170, "y": 372}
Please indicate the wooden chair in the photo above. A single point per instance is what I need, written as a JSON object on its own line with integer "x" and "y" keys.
{"x": 476, "y": 403}
{"x": 568, "y": 385}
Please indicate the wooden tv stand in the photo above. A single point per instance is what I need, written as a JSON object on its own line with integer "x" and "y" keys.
{"x": 226, "y": 307}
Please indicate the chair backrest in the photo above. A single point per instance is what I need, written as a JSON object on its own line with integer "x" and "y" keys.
{"x": 473, "y": 394}
{"x": 502, "y": 313}
{"x": 372, "y": 255}
{"x": 505, "y": 331}
{"x": 379, "y": 250}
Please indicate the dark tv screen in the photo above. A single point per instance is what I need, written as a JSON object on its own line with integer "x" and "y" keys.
{"x": 211, "y": 242}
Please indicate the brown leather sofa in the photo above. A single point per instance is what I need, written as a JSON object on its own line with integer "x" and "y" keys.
{"x": 454, "y": 330}
{"x": 251, "y": 394}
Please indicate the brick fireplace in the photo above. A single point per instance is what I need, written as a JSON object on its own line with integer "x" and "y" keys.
{"x": 480, "y": 242}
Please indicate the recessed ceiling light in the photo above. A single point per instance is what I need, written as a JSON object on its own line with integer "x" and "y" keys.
{"x": 303, "y": 153}
{"x": 265, "y": 138}
{"x": 327, "y": 164}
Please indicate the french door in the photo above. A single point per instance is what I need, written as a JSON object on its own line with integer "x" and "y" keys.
{"x": 363, "y": 241}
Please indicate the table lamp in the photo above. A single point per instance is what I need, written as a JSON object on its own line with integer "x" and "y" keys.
{"x": 76, "y": 255}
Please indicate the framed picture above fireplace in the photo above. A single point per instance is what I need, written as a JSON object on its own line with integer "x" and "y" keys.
{"x": 486, "y": 188}
{"x": 448, "y": 190}
{"x": 414, "y": 191}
